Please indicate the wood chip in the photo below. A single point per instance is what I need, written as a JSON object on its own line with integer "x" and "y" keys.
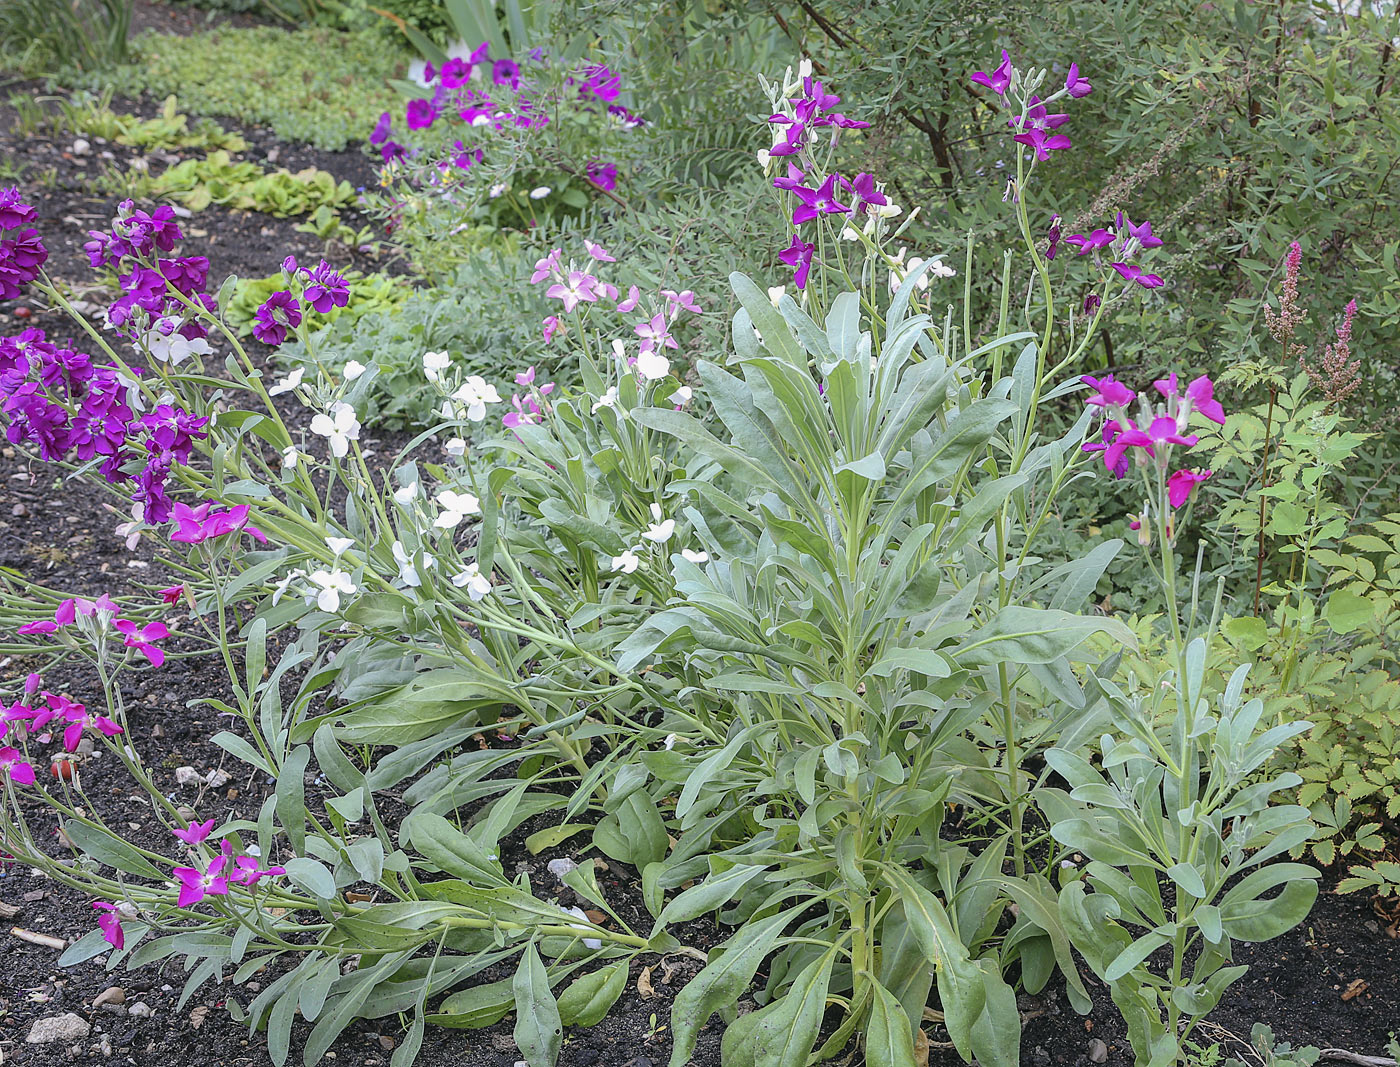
{"x": 33, "y": 938}
{"x": 8, "y": 911}
{"x": 197, "y": 1016}
{"x": 920, "y": 1048}
{"x": 1357, "y": 987}
{"x": 36, "y": 894}
{"x": 598, "y": 918}
{"x": 644, "y": 989}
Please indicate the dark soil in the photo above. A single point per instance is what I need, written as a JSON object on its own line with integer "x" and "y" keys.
{"x": 1334, "y": 981}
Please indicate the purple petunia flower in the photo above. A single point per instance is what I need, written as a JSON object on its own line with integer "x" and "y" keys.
{"x": 603, "y": 175}
{"x": 420, "y": 114}
{"x": 382, "y": 129}
{"x": 506, "y": 72}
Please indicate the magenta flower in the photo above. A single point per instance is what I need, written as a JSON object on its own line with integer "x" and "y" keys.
{"x": 455, "y": 73}
{"x": 655, "y": 334}
{"x": 277, "y": 317}
{"x": 1141, "y": 231}
{"x": 80, "y": 719}
{"x": 634, "y": 297}
{"x": 1114, "y": 452}
{"x": 603, "y": 175}
{"x": 1162, "y": 431}
{"x": 16, "y": 769}
{"x": 1075, "y": 85}
{"x": 684, "y": 300}
{"x": 196, "y": 525}
{"x": 598, "y": 252}
{"x": 326, "y": 288}
{"x": 576, "y": 288}
{"x": 1042, "y": 144}
{"x": 998, "y": 80}
{"x": 547, "y": 267}
{"x": 142, "y": 639}
{"x": 551, "y": 327}
{"x": 863, "y": 186}
{"x": 1133, "y": 273}
{"x": 420, "y": 114}
{"x": 195, "y": 832}
{"x": 13, "y": 213}
{"x": 814, "y": 202}
{"x": 381, "y": 131}
{"x": 1200, "y": 393}
{"x": 248, "y": 872}
{"x": 171, "y": 594}
{"x": 1108, "y": 392}
{"x": 39, "y": 626}
{"x": 195, "y": 886}
{"x": 1182, "y": 484}
{"x": 110, "y": 923}
{"x": 798, "y": 255}
{"x": 1037, "y": 118}
{"x": 506, "y": 72}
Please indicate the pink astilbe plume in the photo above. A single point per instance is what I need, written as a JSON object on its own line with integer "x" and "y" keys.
{"x": 1284, "y": 322}
{"x": 1338, "y": 376}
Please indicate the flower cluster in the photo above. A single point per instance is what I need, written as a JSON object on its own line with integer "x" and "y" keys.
{"x": 1035, "y": 126}
{"x": 322, "y": 288}
{"x": 1123, "y": 241}
{"x": 96, "y": 617}
{"x": 492, "y": 95}
{"x": 1150, "y": 441}
{"x": 576, "y": 286}
{"x": 22, "y": 253}
{"x": 57, "y": 401}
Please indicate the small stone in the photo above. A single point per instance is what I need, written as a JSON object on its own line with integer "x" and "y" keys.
{"x": 19, "y": 511}
{"x": 561, "y": 867}
{"x": 111, "y": 995}
{"x": 198, "y": 1016}
{"x": 86, "y": 747}
{"x": 386, "y": 1042}
{"x": 69, "y": 1027}
{"x": 105, "y": 1046}
{"x": 141, "y": 1010}
{"x": 188, "y": 776}
{"x": 217, "y": 778}
{"x": 157, "y": 730}
{"x": 1098, "y": 1051}
{"x": 81, "y": 147}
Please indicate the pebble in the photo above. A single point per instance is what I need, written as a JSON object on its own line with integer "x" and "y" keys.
{"x": 86, "y": 747}
{"x": 561, "y": 867}
{"x": 81, "y": 147}
{"x": 140, "y": 1010}
{"x": 111, "y": 995}
{"x": 386, "y": 1042}
{"x": 1098, "y": 1051}
{"x": 67, "y": 1027}
{"x": 188, "y": 776}
{"x": 217, "y": 778}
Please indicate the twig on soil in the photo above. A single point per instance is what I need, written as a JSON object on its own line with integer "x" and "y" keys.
{"x": 8, "y": 911}
{"x": 47, "y": 940}
{"x": 1355, "y": 1057}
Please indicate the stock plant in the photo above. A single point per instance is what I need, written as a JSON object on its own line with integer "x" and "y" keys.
{"x": 755, "y": 632}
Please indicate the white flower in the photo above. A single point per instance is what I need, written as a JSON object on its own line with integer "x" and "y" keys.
{"x": 407, "y": 494}
{"x": 330, "y": 585}
{"x": 628, "y": 562}
{"x": 849, "y": 233}
{"x": 408, "y": 574}
{"x": 775, "y": 294}
{"x": 652, "y": 365}
{"x": 171, "y": 347}
{"x": 588, "y": 942}
{"x": 540, "y": 192}
{"x": 660, "y": 530}
{"x": 339, "y": 545}
{"x": 607, "y": 400}
{"x": 886, "y": 211}
{"x": 287, "y": 384}
{"x": 455, "y": 508}
{"x": 353, "y": 370}
{"x": 695, "y": 557}
{"x": 499, "y": 189}
{"x": 290, "y": 457}
{"x": 340, "y": 427}
{"x": 476, "y": 393}
{"x": 683, "y": 395}
{"x": 477, "y": 585}
{"x": 434, "y": 363}
{"x": 670, "y": 741}
{"x": 456, "y": 447}
{"x": 280, "y": 589}
{"x": 132, "y": 530}
{"x": 418, "y": 72}
{"x": 942, "y": 270}
{"x": 764, "y": 156}
{"x": 804, "y": 68}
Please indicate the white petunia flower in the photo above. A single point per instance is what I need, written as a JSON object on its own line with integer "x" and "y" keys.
{"x": 456, "y": 447}
{"x": 340, "y": 427}
{"x": 455, "y": 508}
{"x": 694, "y": 557}
{"x": 330, "y": 585}
{"x": 353, "y": 370}
{"x": 434, "y": 363}
{"x": 628, "y": 562}
{"x": 660, "y": 530}
{"x": 287, "y": 384}
{"x": 476, "y": 393}
{"x": 540, "y": 192}
{"x": 477, "y": 585}
{"x": 652, "y": 365}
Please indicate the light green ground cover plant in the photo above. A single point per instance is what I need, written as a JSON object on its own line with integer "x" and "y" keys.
{"x": 780, "y": 640}
{"x": 373, "y": 294}
{"x": 220, "y": 179}
{"x": 94, "y": 117}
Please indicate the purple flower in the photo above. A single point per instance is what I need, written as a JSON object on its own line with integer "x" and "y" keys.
{"x": 819, "y": 201}
{"x": 655, "y": 333}
{"x": 195, "y": 886}
{"x": 455, "y": 73}
{"x": 547, "y": 267}
{"x": 196, "y": 525}
{"x": 248, "y": 872}
{"x": 603, "y": 175}
{"x": 110, "y": 923}
{"x": 80, "y": 719}
{"x": 1142, "y": 232}
{"x": 382, "y": 128}
{"x": 1075, "y": 85}
{"x": 1115, "y": 454}
{"x": 1134, "y": 273}
{"x": 551, "y": 327}
{"x": 1054, "y": 235}
{"x": 576, "y": 288}
{"x": 998, "y": 80}
{"x": 1037, "y": 118}
{"x": 1162, "y": 431}
{"x": 798, "y": 255}
{"x": 793, "y": 180}
{"x": 141, "y": 639}
{"x": 1200, "y": 393}
{"x": 599, "y": 81}
{"x": 1042, "y": 144}
{"x": 863, "y": 186}
{"x": 278, "y": 316}
{"x": 792, "y": 143}
{"x": 506, "y": 72}
{"x": 195, "y": 832}
{"x": 1108, "y": 392}
{"x": 326, "y": 288}
{"x": 16, "y": 769}
{"x": 1099, "y": 238}
{"x": 420, "y": 114}
{"x": 13, "y": 212}
{"x": 1182, "y": 484}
